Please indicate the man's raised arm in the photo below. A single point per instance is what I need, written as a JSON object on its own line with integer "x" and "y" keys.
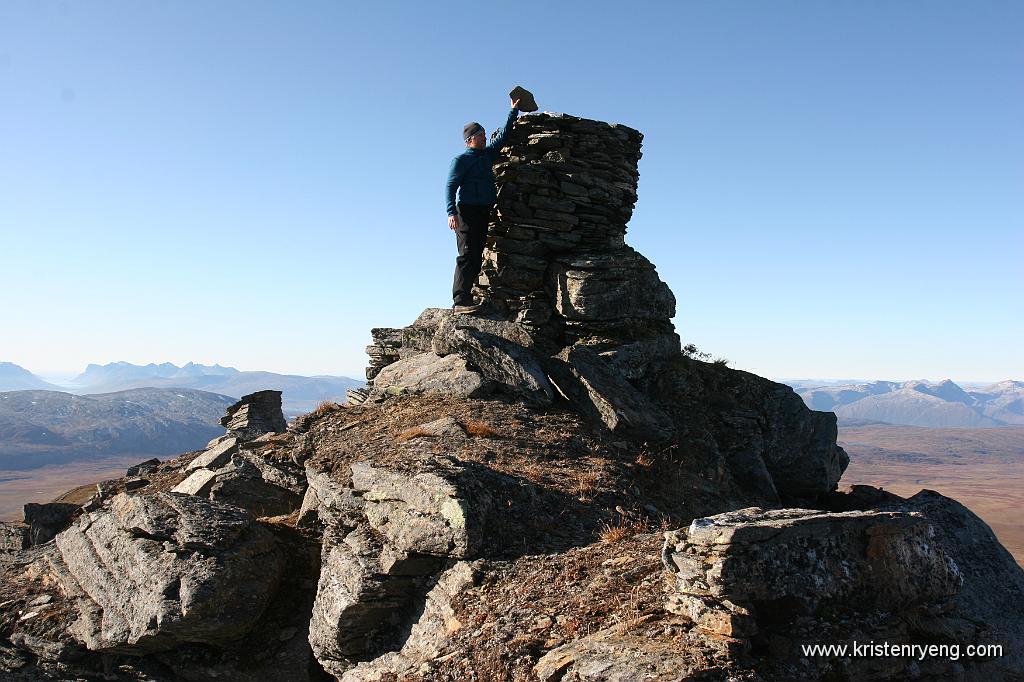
{"x": 499, "y": 141}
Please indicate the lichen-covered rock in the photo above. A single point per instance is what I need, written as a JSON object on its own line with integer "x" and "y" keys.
{"x": 361, "y": 596}
{"x": 325, "y": 500}
{"x": 162, "y": 569}
{"x": 439, "y": 509}
{"x": 734, "y": 568}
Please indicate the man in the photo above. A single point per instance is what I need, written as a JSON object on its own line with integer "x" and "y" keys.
{"x": 472, "y": 175}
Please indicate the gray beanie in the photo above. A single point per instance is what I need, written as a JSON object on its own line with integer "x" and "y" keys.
{"x": 471, "y": 129}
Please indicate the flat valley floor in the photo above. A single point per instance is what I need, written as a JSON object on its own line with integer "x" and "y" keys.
{"x": 981, "y": 468}
{"x": 45, "y": 484}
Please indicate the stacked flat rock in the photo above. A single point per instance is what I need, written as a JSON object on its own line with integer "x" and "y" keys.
{"x": 254, "y": 415}
{"x": 393, "y": 344}
{"x": 556, "y": 259}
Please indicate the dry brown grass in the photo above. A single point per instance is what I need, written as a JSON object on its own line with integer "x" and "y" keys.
{"x": 326, "y": 406}
{"x": 585, "y": 484}
{"x": 644, "y": 459}
{"x": 414, "y": 432}
{"x": 534, "y": 473}
{"x": 612, "y": 533}
{"x": 290, "y": 519}
{"x": 480, "y": 429}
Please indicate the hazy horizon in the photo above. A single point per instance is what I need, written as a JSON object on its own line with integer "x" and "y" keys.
{"x": 65, "y": 377}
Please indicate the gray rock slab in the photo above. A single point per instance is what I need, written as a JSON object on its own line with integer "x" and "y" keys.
{"x": 358, "y": 600}
{"x": 501, "y": 350}
{"x": 431, "y": 373}
{"x": 216, "y": 456}
{"x": 439, "y": 510}
{"x": 163, "y": 569}
{"x": 445, "y": 426}
{"x": 257, "y": 486}
{"x": 255, "y": 414}
{"x": 326, "y": 500}
{"x": 725, "y": 565}
{"x": 427, "y": 635}
{"x": 634, "y": 360}
{"x": 198, "y": 483}
{"x": 610, "y": 285}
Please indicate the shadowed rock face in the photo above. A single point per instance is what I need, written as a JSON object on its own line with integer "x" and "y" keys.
{"x": 44, "y": 521}
{"x": 255, "y": 414}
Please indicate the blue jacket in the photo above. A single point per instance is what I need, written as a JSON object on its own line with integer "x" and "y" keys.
{"x": 472, "y": 174}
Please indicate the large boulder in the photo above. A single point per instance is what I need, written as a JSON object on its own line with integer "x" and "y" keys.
{"x": 380, "y": 560}
{"x": 450, "y": 375}
{"x": 992, "y": 596}
{"x": 738, "y": 568}
{"x": 162, "y": 569}
{"x": 500, "y": 350}
{"x": 777, "y": 448}
{"x": 361, "y": 599}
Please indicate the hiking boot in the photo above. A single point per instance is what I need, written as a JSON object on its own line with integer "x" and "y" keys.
{"x": 465, "y": 309}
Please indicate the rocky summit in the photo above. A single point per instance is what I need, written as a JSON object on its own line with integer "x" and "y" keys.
{"x": 552, "y": 489}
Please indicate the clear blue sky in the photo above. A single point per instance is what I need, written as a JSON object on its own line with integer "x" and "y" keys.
{"x": 831, "y": 189}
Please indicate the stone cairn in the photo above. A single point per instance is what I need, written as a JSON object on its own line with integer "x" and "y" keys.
{"x": 556, "y": 261}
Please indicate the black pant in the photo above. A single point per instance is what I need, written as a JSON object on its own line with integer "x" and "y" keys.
{"x": 471, "y": 237}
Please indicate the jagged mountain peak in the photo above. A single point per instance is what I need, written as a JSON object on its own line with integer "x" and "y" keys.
{"x": 921, "y": 403}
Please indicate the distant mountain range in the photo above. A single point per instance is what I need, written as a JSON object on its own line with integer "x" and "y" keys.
{"x": 301, "y": 393}
{"x": 50, "y": 427}
{"x": 921, "y": 403}
{"x": 15, "y": 378}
